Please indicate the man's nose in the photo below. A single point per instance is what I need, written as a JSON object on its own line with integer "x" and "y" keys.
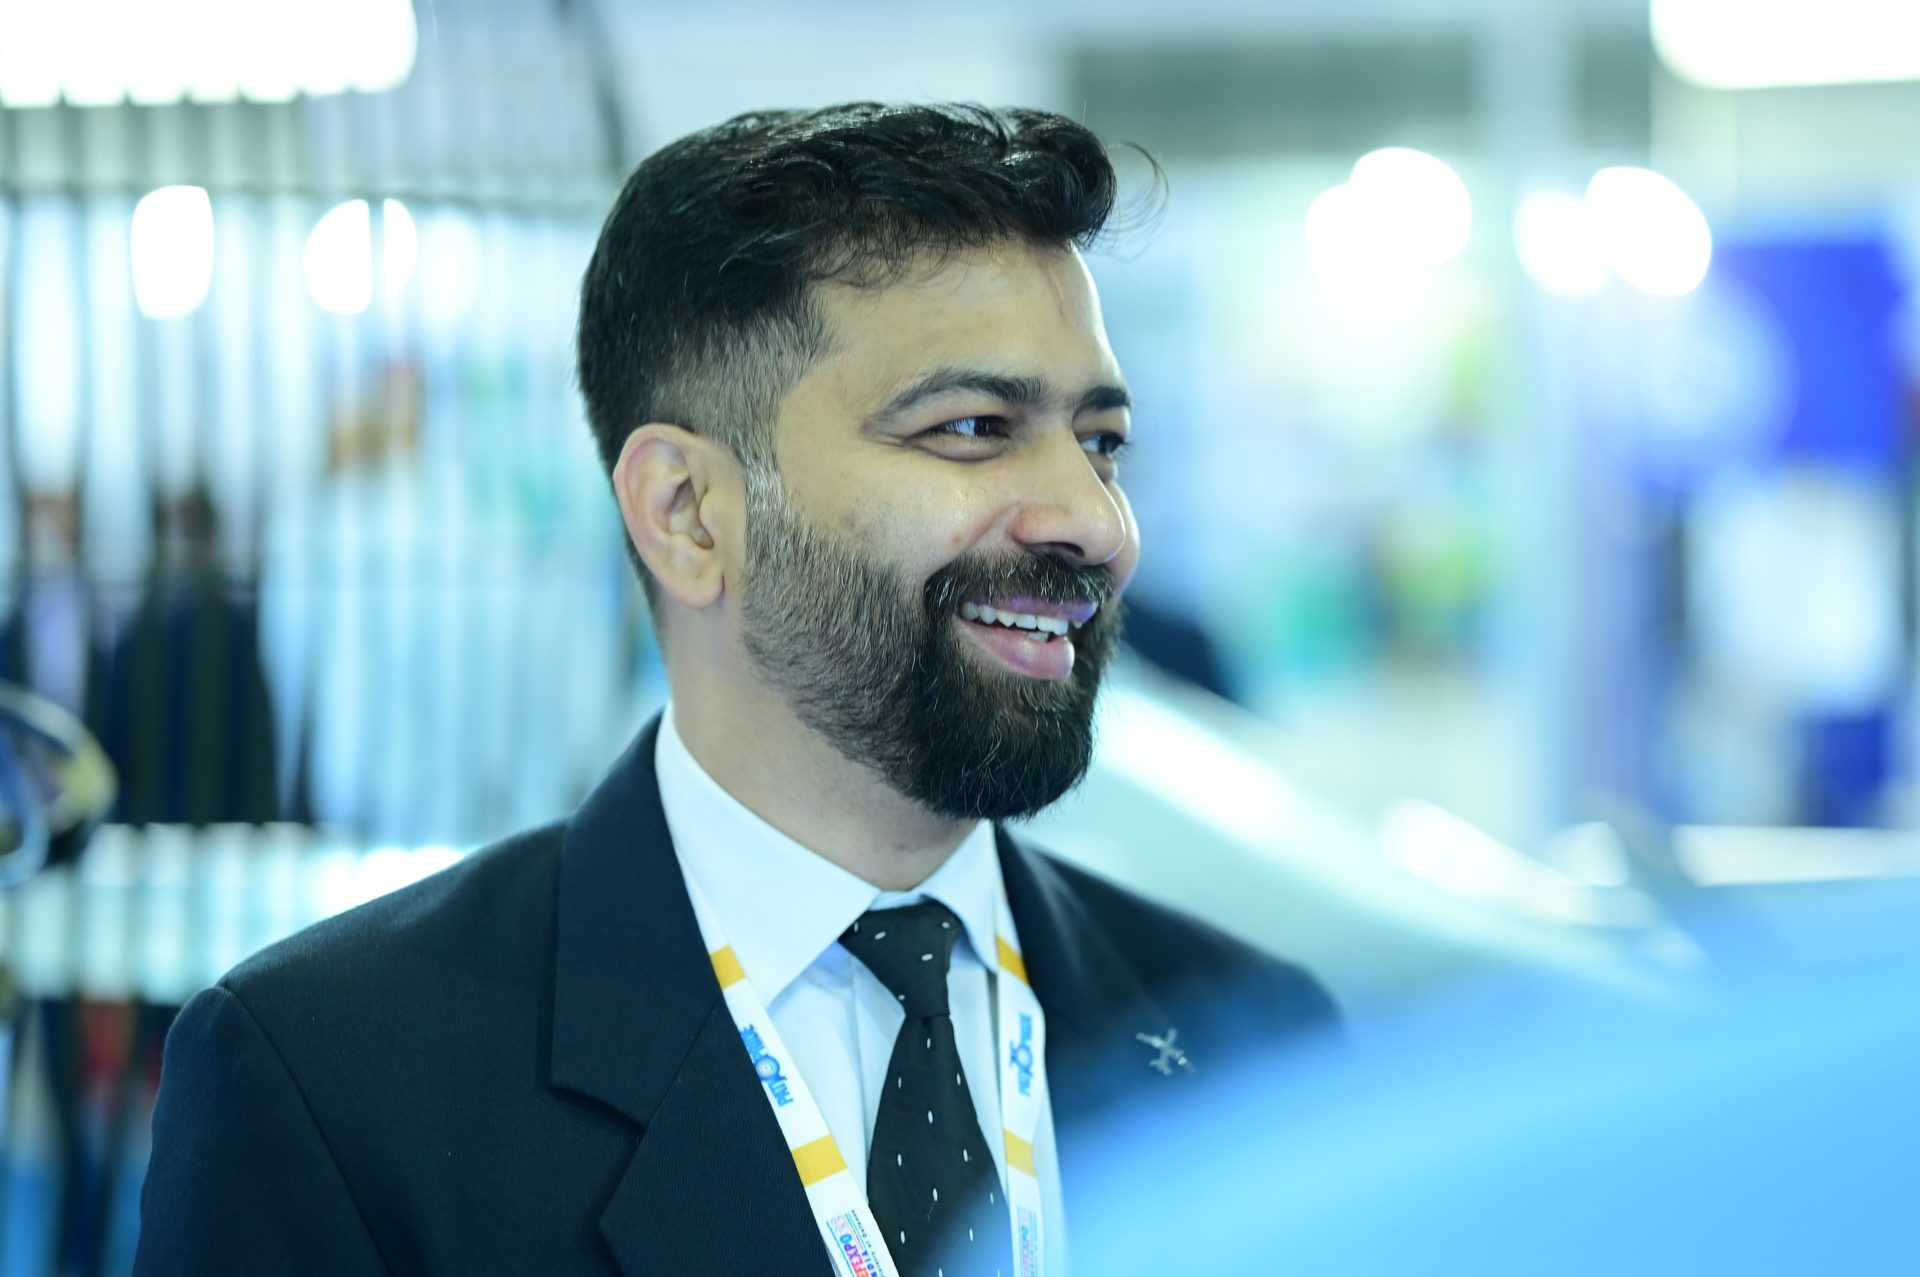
{"x": 1065, "y": 508}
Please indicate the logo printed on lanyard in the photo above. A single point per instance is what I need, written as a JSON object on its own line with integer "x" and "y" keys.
{"x": 767, "y": 1066}
{"x": 854, "y": 1246}
{"x": 1026, "y": 1242}
{"x": 1021, "y": 1056}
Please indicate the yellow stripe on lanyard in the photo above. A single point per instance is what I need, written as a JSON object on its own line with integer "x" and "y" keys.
{"x": 1012, "y": 963}
{"x": 726, "y": 967}
{"x": 818, "y": 1160}
{"x": 1019, "y": 1153}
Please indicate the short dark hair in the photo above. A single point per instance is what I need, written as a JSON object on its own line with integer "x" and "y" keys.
{"x": 697, "y": 307}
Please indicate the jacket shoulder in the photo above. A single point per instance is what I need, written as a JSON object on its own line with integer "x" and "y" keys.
{"x": 1171, "y": 950}
{"x": 397, "y": 1058}
{"x": 488, "y": 916}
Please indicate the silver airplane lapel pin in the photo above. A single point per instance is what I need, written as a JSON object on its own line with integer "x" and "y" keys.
{"x": 1170, "y": 1054}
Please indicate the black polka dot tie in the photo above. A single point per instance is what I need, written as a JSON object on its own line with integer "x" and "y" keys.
{"x": 930, "y": 1176}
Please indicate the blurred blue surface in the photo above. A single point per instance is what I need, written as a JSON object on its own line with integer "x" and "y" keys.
{"x": 1768, "y": 1123}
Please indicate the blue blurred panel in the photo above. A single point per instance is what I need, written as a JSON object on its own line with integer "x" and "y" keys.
{"x": 1835, "y": 302}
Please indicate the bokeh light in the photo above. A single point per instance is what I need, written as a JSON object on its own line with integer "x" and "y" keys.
{"x": 1375, "y": 239}
{"x": 339, "y": 255}
{"x": 1421, "y": 202}
{"x": 172, "y": 243}
{"x": 1557, "y": 245}
{"x": 1651, "y": 231}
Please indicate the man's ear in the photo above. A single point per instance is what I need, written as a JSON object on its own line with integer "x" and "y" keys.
{"x": 676, "y": 493}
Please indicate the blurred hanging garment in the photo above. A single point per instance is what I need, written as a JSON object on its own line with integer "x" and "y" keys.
{"x": 448, "y": 673}
{"x": 45, "y": 631}
{"x": 181, "y": 706}
{"x": 43, "y": 640}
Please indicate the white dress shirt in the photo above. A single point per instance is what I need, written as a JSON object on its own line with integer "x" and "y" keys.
{"x": 783, "y": 909}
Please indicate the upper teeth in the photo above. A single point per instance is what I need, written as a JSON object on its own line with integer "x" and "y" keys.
{"x": 1016, "y": 620}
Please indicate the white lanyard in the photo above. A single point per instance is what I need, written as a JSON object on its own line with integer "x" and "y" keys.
{"x": 839, "y": 1203}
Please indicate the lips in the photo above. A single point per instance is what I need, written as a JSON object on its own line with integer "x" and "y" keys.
{"x": 1029, "y": 651}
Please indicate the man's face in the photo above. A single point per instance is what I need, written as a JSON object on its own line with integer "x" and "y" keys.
{"x": 953, "y": 453}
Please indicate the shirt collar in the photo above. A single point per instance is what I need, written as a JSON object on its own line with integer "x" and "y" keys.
{"x": 967, "y": 882}
{"x": 782, "y": 905}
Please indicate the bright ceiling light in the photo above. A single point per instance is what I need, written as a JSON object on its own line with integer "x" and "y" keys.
{"x": 332, "y": 43}
{"x": 101, "y": 52}
{"x": 1375, "y": 238}
{"x": 387, "y": 40}
{"x": 339, "y": 256}
{"x": 281, "y": 63}
{"x": 172, "y": 251}
{"x": 33, "y": 43}
{"x": 93, "y": 68}
{"x": 1752, "y": 44}
{"x": 1649, "y": 230}
{"x": 1557, "y": 244}
{"x": 167, "y": 48}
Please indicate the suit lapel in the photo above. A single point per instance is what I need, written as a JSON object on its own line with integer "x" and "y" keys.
{"x": 711, "y": 1187}
{"x": 639, "y": 1025}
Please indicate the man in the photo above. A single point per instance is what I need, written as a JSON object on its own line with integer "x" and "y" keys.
{"x": 781, "y": 980}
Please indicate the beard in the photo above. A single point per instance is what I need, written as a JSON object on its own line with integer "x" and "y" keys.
{"x": 879, "y": 669}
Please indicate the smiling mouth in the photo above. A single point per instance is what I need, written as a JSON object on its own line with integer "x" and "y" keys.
{"x": 1037, "y": 626}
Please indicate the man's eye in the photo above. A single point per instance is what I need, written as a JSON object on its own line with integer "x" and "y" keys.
{"x": 1105, "y": 444}
{"x": 971, "y": 428}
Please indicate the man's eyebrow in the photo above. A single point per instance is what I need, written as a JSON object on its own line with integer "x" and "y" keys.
{"x": 1024, "y": 392}
{"x": 1103, "y": 399}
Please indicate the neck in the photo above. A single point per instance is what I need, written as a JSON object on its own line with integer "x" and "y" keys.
{"x": 780, "y": 769}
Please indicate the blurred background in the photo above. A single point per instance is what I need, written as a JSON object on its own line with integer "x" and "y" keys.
{"x": 1527, "y": 392}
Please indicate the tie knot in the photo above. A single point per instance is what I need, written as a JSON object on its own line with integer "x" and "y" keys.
{"x": 908, "y": 950}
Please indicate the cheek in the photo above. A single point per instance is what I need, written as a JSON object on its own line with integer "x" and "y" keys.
{"x": 934, "y": 525}
{"x": 922, "y": 529}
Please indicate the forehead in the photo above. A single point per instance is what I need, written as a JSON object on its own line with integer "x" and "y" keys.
{"x": 1013, "y": 308}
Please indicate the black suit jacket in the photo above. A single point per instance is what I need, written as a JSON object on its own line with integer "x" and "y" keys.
{"x": 524, "y": 1065}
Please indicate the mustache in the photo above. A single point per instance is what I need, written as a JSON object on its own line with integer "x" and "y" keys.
{"x": 1039, "y": 576}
